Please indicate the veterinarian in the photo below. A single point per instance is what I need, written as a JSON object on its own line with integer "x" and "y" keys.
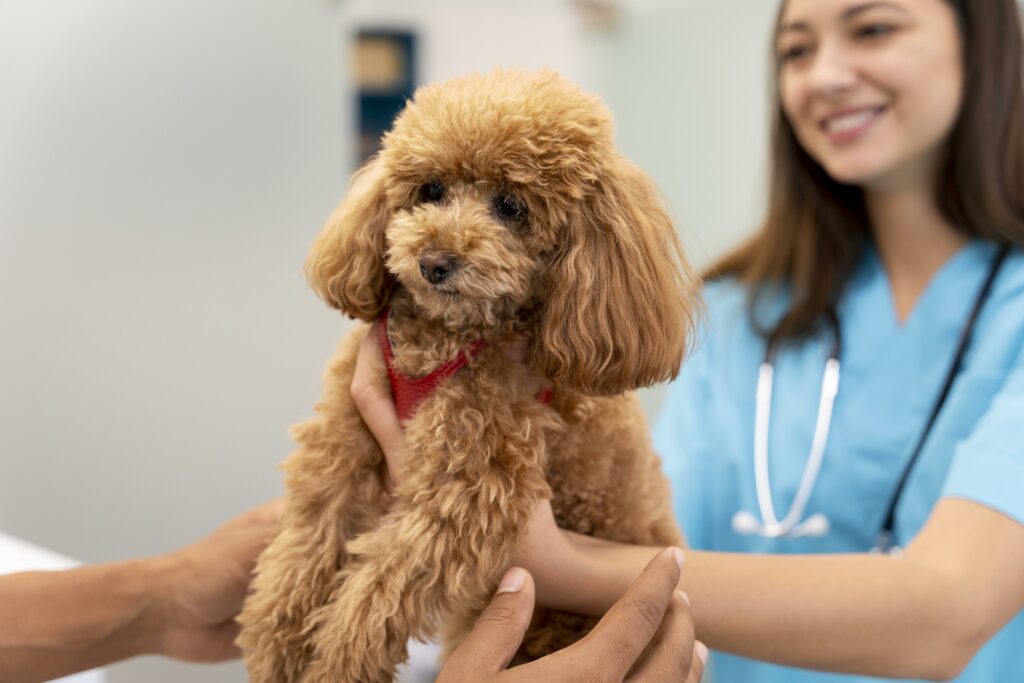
{"x": 845, "y": 444}
{"x": 183, "y": 605}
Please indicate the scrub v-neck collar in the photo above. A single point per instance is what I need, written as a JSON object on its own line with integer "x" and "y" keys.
{"x": 883, "y": 347}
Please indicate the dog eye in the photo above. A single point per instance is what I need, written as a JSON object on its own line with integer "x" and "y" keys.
{"x": 432, "y": 192}
{"x": 510, "y": 207}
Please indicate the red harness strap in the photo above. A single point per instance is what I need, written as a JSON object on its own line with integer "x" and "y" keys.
{"x": 409, "y": 392}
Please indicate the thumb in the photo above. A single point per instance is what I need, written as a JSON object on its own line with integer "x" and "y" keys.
{"x": 498, "y": 633}
{"x": 371, "y": 393}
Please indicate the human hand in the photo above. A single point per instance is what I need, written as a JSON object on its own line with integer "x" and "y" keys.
{"x": 202, "y": 587}
{"x": 545, "y": 546}
{"x": 647, "y": 636}
{"x": 371, "y": 393}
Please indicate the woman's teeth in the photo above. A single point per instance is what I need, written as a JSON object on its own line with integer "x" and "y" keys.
{"x": 848, "y": 122}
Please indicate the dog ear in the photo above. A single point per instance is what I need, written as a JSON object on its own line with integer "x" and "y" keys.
{"x": 346, "y": 265}
{"x": 619, "y": 313}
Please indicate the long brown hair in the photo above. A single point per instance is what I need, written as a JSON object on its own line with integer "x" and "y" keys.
{"x": 816, "y": 227}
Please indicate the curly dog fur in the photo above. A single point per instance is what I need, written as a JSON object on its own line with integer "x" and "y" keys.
{"x": 542, "y": 229}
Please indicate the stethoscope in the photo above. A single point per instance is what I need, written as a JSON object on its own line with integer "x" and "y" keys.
{"x": 793, "y": 524}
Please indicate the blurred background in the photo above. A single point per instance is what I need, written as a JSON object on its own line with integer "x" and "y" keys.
{"x": 164, "y": 167}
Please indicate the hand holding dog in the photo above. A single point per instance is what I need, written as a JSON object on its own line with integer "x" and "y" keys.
{"x": 180, "y": 605}
{"x": 650, "y": 626}
{"x": 371, "y": 393}
{"x": 646, "y": 636}
{"x": 206, "y": 583}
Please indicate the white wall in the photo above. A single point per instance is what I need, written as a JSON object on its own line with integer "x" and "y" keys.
{"x": 164, "y": 167}
{"x": 688, "y": 82}
{"x": 459, "y": 36}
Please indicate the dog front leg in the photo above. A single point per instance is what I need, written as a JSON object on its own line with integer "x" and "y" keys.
{"x": 452, "y": 531}
{"x": 333, "y": 494}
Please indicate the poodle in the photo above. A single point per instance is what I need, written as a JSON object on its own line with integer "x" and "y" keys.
{"x": 498, "y": 208}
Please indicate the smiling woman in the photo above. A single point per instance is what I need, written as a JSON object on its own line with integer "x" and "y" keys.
{"x": 877, "y": 74}
{"x": 913, "y": 98}
{"x": 895, "y": 222}
{"x": 897, "y": 172}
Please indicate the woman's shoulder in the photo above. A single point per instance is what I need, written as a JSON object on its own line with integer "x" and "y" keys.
{"x": 729, "y": 305}
{"x": 1003, "y": 311}
{"x": 725, "y": 331}
{"x": 1011, "y": 281}
{"x": 723, "y": 293}
{"x": 725, "y": 306}
{"x": 1000, "y": 335}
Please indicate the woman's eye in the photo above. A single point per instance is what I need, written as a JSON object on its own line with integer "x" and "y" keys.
{"x": 510, "y": 207}
{"x": 432, "y": 192}
{"x": 874, "y": 31}
{"x": 794, "y": 53}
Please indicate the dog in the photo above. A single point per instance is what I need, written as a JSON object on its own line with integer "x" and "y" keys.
{"x": 498, "y": 208}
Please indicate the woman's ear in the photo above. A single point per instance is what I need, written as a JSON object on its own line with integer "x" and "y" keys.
{"x": 346, "y": 265}
{"x": 621, "y": 303}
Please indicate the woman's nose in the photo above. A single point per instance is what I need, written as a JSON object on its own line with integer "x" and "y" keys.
{"x": 832, "y": 72}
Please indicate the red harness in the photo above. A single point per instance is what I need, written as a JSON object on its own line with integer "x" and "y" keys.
{"x": 409, "y": 392}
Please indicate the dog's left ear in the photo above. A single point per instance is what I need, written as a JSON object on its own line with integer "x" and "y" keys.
{"x": 619, "y": 312}
{"x": 346, "y": 265}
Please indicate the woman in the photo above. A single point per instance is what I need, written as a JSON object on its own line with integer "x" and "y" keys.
{"x": 898, "y": 173}
{"x": 895, "y": 227}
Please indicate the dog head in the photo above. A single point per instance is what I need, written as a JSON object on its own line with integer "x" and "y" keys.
{"x": 500, "y": 196}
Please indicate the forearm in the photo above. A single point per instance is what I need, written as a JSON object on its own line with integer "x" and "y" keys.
{"x": 55, "y": 623}
{"x": 864, "y": 614}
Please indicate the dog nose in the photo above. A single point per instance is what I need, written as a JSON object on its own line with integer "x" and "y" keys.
{"x": 435, "y": 266}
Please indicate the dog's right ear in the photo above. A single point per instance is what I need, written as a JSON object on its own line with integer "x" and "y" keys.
{"x": 346, "y": 264}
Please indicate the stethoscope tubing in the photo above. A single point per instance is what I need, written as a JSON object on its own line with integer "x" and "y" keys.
{"x": 790, "y": 525}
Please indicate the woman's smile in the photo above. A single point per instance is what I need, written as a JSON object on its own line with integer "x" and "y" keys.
{"x": 850, "y": 124}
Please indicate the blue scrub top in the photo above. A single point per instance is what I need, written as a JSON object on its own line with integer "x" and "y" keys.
{"x": 891, "y": 374}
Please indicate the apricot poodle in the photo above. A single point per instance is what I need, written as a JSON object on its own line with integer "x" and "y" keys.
{"x": 497, "y": 208}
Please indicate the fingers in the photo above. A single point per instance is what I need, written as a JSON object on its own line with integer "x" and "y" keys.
{"x": 671, "y": 654}
{"x": 629, "y": 626}
{"x": 700, "y": 660}
{"x": 268, "y": 514}
{"x": 264, "y": 519}
{"x": 371, "y": 392}
{"x": 498, "y": 633}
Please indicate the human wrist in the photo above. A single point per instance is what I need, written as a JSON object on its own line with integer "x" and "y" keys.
{"x": 605, "y": 570}
{"x": 152, "y": 586}
{"x": 137, "y": 587}
{"x": 561, "y": 571}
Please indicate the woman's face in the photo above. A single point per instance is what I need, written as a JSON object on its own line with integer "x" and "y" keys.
{"x": 871, "y": 88}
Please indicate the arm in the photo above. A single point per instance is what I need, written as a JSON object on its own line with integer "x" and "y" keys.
{"x": 56, "y": 623}
{"x": 924, "y": 614}
{"x": 181, "y": 605}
